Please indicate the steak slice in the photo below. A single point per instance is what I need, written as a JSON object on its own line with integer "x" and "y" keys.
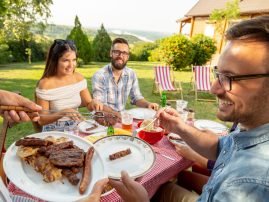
{"x": 32, "y": 141}
{"x": 67, "y": 157}
{"x": 46, "y": 151}
{"x": 72, "y": 177}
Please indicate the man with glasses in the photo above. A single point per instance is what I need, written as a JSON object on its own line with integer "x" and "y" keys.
{"x": 241, "y": 171}
{"x": 115, "y": 82}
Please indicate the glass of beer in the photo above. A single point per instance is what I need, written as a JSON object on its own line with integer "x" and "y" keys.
{"x": 126, "y": 121}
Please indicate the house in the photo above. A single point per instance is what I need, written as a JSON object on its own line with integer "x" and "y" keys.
{"x": 196, "y": 21}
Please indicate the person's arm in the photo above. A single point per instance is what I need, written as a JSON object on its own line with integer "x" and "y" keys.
{"x": 9, "y": 98}
{"x": 129, "y": 190}
{"x": 145, "y": 104}
{"x": 203, "y": 142}
{"x": 188, "y": 153}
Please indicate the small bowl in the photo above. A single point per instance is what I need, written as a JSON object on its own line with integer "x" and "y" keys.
{"x": 151, "y": 137}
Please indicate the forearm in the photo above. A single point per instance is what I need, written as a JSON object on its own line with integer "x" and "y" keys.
{"x": 142, "y": 103}
{"x": 203, "y": 142}
{"x": 47, "y": 119}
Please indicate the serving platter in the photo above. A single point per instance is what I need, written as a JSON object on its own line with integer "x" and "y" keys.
{"x": 30, "y": 181}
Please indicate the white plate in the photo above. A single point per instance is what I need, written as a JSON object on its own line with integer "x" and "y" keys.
{"x": 179, "y": 141}
{"x": 89, "y": 123}
{"x": 142, "y": 113}
{"x": 137, "y": 163}
{"x": 210, "y": 125}
{"x": 30, "y": 181}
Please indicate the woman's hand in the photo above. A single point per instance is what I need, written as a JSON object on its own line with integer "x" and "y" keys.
{"x": 72, "y": 114}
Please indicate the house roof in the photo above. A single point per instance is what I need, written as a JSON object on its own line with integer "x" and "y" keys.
{"x": 205, "y": 7}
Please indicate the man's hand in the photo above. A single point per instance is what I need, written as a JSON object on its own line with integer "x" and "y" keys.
{"x": 96, "y": 191}
{"x": 9, "y": 98}
{"x": 153, "y": 106}
{"x": 169, "y": 119}
{"x": 130, "y": 190}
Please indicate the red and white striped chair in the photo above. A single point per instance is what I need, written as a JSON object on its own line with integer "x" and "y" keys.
{"x": 164, "y": 80}
{"x": 202, "y": 80}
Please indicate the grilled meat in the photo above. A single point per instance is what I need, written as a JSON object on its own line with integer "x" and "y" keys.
{"x": 67, "y": 157}
{"x": 32, "y": 141}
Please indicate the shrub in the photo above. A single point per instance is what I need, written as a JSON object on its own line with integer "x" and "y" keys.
{"x": 176, "y": 51}
{"x": 141, "y": 51}
{"x": 204, "y": 47}
{"x": 5, "y": 54}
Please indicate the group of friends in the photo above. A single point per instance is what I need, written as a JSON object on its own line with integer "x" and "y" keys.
{"x": 241, "y": 169}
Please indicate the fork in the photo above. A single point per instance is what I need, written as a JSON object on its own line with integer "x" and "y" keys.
{"x": 134, "y": 134}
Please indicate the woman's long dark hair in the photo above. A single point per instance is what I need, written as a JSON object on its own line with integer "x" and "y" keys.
{"x": 57, "y": 49}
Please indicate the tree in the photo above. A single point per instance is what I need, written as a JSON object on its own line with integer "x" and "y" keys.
{"x": 81, "y": 40}
{"x": 176, "y": 51}
{"x": 101, "y": 45}
{"x": 17, "y": 17}
{"x": 204, "y": 47}
{"x": 222, "y": 16}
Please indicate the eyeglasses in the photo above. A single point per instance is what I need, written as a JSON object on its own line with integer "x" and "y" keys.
{"x": 226, "y": 80}
{"x": 118, "y": 53}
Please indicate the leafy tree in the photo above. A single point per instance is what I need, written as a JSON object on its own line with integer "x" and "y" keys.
{"x": 101, "y": 45}
{"x": 204, "y": 47}
{"x": 81, "y": 40}
{"x": 17, "y": 17}
{"x": 141, "y": 51}
{"x": 222, "y": 16}
{"x": 176, "y": 51}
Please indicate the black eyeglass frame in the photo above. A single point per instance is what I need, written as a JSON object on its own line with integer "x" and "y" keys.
{"x": 237, "y": 78}
{"x": 118, "y": 53}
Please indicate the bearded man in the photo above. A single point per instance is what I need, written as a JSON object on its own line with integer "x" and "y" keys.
{"x": 115, "y": 82}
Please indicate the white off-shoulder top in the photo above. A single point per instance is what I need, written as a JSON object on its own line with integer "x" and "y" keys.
{"x": 64, "y": 97}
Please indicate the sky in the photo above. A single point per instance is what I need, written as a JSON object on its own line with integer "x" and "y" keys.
{"x": 145, "y": 15}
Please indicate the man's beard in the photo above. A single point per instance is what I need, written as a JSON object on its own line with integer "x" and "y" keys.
{"x": 117, "y": 65}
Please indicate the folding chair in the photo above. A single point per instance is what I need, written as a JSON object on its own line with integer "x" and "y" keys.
{"x": 202, "y": 81}
{"x": 164, "y": 80}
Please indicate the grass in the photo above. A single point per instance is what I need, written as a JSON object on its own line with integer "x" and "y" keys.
{"x": 23, "y": 77}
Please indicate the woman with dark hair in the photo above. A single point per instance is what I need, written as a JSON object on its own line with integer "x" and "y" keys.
{"x": 61, "y": 89}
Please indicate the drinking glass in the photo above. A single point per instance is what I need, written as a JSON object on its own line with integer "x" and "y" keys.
{"x": 181, "y": 105}
{"x": 126, "y": 121}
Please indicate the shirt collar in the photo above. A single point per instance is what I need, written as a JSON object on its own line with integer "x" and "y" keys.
{"x": 252, "y": 137}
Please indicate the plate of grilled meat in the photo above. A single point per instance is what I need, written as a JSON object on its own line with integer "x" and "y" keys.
{"x": 54, "y": 166}
{"x": 121, "y": 152}
{"x": 91, "y": 127}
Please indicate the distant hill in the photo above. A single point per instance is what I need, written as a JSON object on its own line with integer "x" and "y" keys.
{"x": 133, "y": 36}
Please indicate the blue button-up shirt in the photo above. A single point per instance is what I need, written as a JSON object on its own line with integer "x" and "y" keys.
{"x": 241, "y": 172}
{"x": 112, "y": 94}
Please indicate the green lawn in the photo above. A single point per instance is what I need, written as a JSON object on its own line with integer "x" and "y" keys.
{"x": 23, "y": 77}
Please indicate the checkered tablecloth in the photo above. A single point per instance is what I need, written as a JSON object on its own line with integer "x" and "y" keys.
{"x": 163, "y": 170}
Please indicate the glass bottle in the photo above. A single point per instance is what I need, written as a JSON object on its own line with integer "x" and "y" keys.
{"x": 163, "y": 99}
{"x": 110, "y": 130}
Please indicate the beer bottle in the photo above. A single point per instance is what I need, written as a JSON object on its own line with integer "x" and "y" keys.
{"x": 163, "y": 99}
{"x": 110, "y": 130}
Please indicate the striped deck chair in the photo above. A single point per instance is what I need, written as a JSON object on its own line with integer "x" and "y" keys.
{"x": 202, "y": 80}
{"x": 164, "y": 80}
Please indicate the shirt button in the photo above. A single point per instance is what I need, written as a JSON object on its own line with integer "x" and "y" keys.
{"x": 224, "y": 152}
{"x": 223, "y": 165}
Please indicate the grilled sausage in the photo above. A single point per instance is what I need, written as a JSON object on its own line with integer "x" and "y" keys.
{"x": 86, "y": 176}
